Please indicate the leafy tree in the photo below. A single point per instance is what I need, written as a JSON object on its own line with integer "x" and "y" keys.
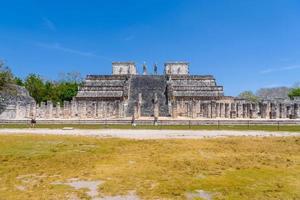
{"x": 295, "y": 92}
{"x": 248, "y": 95}
{"x": 51, "y": 92}
{"x": 67, "y": 90}
{"x": 35, "y": 86}
{"x": 18, "y": 81}
{"x": 6, "y": 76}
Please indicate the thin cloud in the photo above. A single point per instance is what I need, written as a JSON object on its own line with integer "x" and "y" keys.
{"x": 59, "y": 47}
{"x": 271, "y": 70}
{"x": 49, "y": 24}
{"x": 129, "y": 38}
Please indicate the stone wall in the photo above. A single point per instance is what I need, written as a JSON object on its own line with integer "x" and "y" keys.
{"x": 176, "y": 68}
{"x": 15, "y": 102}
{"x": 123, "y": 68}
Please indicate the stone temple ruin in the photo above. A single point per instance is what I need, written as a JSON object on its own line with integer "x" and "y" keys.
{"x": 175, "y": 94}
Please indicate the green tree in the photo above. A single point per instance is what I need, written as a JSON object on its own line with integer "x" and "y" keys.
{"x": 36, "y": 87}
{"x": 295, "y": 92}
{"x": 43, "y": 91}
{"x": 18, "y": 81}
{"x": 51, "y": 92}
{"x": 248, "y": 95}
{"x": 66, "y": 91}
{"x": 6, "y": 76}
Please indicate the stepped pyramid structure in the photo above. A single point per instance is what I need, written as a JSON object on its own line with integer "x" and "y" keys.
{"x": 175, "y": 94}
{"x": 126, "y": 93}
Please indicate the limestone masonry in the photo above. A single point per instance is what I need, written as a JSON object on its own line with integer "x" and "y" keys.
{"x": 175, "y": 94}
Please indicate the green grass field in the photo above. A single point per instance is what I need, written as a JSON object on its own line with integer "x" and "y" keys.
{"x": 227, "y": 168}
{"x": 292, "y": 128}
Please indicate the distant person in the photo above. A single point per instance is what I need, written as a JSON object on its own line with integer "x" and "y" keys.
{"x": 133, "y": 121}
{"x": 32, "y": 123}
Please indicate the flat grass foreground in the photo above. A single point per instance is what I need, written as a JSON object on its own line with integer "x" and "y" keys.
{"x": 225, "y": 168}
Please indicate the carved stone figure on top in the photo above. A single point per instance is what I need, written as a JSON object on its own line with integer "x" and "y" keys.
{"x": 144, "y": 69}
{"x": 155, "y": 69}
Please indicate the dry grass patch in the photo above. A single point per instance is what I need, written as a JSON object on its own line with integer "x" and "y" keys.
{"x": 227, "y": 168}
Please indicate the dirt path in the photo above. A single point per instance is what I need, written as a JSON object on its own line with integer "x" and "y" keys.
{"x": 149, "y": 134}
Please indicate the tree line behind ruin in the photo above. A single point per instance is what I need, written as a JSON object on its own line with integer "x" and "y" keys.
{"x": 40, "y": 88}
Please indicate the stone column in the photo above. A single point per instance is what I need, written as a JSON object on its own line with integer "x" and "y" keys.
{"x": 248, "y": 110}
{"x": 100, "y": 109}
{"x": 193, "y": 109}
{"x": 253, "y": 111}
{"x": 58, "y": 110}
{"x": 105, "y": 109}
{"x": 244, "y": 107}
{"x": 66, "y": 114}
{"x": 74, "y": 111}
{"x": 261, "y": 107}
{"x": 198, "y": 108}
{"x": 298, "y": 110}
{"x": 125, "y": 107}
{"x": 222, "y": 110}
{"x": 33, "y": 110}
{"x": 94, "y": 113}
{"x": 174, "y": 109}
{"x": 213, "y": 109}
{"x": 43, "y": 110}
{"x": 139, "y": 104}
{"x": 227, "y": 110}
{"x": 37, "y": 112}
{"x": 209, "y": 109}
{"x": 204, "y": 109}
{"x": 268, "y": 110}
{"x": 217, "y": 109}
{"x": 277, "y": 110}
{"x": 233, "y": 111}
{"x": 239, "y": 108}
{"x": 272, "y": 111}
{"x": 201, "y": 109}
{"x": 120, "y": 113}
{"x": 156, "y": 106}
{"x": 49, "y": 111}
{"x": 288, "y": 110}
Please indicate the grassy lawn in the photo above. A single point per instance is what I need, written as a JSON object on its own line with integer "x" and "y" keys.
{"x": 292, "y": 128}
{"x": 227, "y": 168}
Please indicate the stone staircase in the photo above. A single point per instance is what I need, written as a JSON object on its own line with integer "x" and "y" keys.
{"x": 148, "y": 85}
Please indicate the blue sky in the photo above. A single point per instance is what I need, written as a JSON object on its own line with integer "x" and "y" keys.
{"x": 246, "y": 45}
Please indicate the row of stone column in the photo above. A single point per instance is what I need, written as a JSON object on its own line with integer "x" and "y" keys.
{"x": 215, "y": 109}
{"x": 193, "y": 109}
{"x": 72, "y": 109}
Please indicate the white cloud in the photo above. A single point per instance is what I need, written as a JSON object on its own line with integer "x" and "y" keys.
{"x": 59, "y": 47}
{"x": 49, "y": 24}
{"x": 271, "y": 70}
